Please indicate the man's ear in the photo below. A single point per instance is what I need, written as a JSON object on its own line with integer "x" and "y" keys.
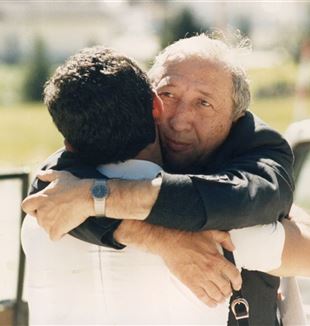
{"x": 68, "y": 146}
{"x": 158, "y": 107}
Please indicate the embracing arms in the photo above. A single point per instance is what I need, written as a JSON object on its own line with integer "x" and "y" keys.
{"x": 241, "y": 186}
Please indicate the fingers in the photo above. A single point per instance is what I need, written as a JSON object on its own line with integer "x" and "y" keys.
{"x": 57, "y": 231}
{"x": 31, "y": 203}
{"x": 222, "y": 285}
{"x": 55, "y": 234}
{"x": 209, "y": 278}
{"x": 202, "y": 295}
{"x": 231, "y": 272}
{"x": 50, "y": 175}
{"x": 213, "y": 292}
{"x": 224, "y": 239}
{"x": 50, "y": 225}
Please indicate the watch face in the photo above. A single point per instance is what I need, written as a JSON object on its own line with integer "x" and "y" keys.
{"x": 100, "y": 190}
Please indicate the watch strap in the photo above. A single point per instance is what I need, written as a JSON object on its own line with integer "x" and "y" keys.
{"x": 100, "y": 203}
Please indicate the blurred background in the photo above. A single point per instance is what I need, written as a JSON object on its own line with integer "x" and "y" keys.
{"x": 36, "y": 36}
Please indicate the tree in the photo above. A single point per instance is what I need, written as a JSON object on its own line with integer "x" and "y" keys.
{"x": 12, "y": 52}
{"x": 183, "y": 25}
{"x": 37, "y": 72}
{"x": 244, "y": 24}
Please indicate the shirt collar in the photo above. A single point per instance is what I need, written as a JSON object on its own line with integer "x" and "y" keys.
{"x": 131, "y": 169}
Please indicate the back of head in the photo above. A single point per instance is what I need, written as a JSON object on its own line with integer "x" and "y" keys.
{"x": 213, "y": 48}
{"x": 101, "y": 102}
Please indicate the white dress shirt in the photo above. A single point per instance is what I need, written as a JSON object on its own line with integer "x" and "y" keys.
{"x": 71, "y": 282}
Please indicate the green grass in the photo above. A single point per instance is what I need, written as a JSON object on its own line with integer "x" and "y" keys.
{"x": 276, "y": 112}
{"x": 27, "y": 135}
{"x": 266, "y": 77}
{"x": 11, "y": 81}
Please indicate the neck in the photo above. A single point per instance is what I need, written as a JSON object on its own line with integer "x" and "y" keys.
{"x": 151, "y": 153}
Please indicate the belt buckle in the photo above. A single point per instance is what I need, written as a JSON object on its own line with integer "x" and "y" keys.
{"x": 240, "y": 314}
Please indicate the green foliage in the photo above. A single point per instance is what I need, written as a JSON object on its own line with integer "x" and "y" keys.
{"x": 244, "y": 24}
{"x": 37, "y": 72}
{"x": 184, "y": 24}
{"x": 279, "y": 88}
{"x": 28, "y": 136}
{"x": 12, "y": 51}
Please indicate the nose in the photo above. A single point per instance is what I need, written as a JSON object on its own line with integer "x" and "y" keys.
{"x": 181, "y": 117}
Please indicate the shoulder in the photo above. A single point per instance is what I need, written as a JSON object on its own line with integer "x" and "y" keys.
{"x": 252, "y": 139}
{"x": 67, "y": 161}
{"x": 250, "y": 132}
{"x": 54, "y": 160}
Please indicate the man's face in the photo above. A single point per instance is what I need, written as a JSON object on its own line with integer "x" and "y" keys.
{"x": 198, "y": 110}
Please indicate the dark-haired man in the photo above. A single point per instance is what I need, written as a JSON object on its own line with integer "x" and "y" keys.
{"x": 256, "y": 171}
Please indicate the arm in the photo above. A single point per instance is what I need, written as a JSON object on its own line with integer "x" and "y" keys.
{"x": 184, "y": 254}
{"x": 280, "y": 248}
{"x": 92, "y": 230}
{"x": 244, "y": 184}
{"x": 251, "y": 173}
{"x": 194, "y": 258}
{"x": 253, "y": 179}
{"x": 295, "y": 257}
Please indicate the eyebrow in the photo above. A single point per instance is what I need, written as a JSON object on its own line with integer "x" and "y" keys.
{"x": 206, "y": 93}
{"x": 198, "y": 90}
{"x": 169, "y": 84}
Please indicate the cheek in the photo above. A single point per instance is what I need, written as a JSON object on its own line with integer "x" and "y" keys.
{"x": 165, "y": 114}
{"x": 211, "y": 132}
{"x": 169, "y": 107}
{"x": 162, "y": 125}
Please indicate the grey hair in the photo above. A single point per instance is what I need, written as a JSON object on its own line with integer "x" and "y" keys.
{"x": 210, "y": 48}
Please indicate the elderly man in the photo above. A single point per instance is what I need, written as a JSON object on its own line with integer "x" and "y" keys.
{"x": 240, "y": 176}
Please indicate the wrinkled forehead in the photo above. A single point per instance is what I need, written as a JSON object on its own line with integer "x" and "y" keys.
{"x": 195, "y": 71}
{"x": 176, "y": 79}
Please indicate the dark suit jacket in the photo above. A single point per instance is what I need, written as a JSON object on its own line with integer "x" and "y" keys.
{"x": 247, "y": 181}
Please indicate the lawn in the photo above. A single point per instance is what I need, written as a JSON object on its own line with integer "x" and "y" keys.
{"x": 28, "y": 135}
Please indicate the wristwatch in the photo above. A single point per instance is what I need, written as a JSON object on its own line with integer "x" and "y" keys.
{"x": 100, "y": 191}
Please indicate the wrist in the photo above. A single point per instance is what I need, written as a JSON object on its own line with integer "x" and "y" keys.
{"x": 144, "y": 236}
{"x": 86, "y": 196}
{"x": 131, "y": 199}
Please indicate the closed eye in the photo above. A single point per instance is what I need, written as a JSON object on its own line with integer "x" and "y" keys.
{"x": 166, "y": 94}
{"x": 203, "y": 103}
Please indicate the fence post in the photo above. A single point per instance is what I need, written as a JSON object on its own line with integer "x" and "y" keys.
{"x": 20, "y": 317}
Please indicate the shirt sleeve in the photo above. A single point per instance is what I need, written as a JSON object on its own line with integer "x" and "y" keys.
{"x": 259, "y": 247}
{"x": 253, "y": 184}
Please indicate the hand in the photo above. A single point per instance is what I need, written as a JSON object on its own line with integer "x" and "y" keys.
{"x": 195, "y": 260}
{"x": 63, "y": 205}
